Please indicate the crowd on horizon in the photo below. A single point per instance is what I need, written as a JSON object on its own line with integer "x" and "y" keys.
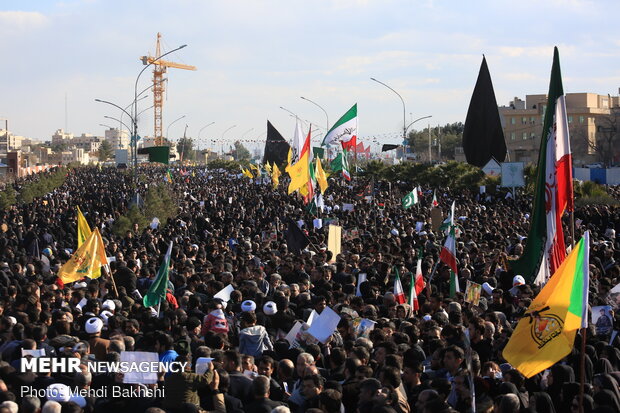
{"x": 230, "y": 230}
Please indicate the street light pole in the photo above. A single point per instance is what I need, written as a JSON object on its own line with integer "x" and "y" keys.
{"x": 134, "y": 137}
{"x": 201, "y": 129}
{"x": 292, "y": 113}
{"x": 222, "y": 138}
{"x": 172, "y": 123}
{"x": 324, "y": 111}
{"x": 404, "y": 110}
{"x": 408, "y": 126}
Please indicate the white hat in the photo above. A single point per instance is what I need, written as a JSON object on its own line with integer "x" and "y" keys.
{"x": 248, "y": 305}
{"x": 12, "y": 320}
{"x": 394, "y": 232}
{"x": 487, "y": 288}
{"x": 427, "y": 317}
{"x": 93, "y": 326}
{"x": 423, "y": 233}
{"x": 108, "y": 305}
{"x": 518, "y": 280}
{"x": 58, "y": 392}
{"x": 79, "y": 285}
{"x": 105, "y": 315}
{"x": 270, "y": 308}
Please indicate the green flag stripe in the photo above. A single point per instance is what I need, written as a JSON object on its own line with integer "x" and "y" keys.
{"x": 576, "y": 295}
{"x": 351, "y": 114}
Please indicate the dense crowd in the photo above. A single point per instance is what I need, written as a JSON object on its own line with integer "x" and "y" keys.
{"x": 230, "y": 230}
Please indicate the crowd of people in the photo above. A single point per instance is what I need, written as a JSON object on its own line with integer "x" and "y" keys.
{"x": 230, "y": 230}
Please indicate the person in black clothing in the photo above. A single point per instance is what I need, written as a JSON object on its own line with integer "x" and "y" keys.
{"x": 262, "y": 403}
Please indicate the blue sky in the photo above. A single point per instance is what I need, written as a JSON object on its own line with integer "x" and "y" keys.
{"x": 255, "y": 56}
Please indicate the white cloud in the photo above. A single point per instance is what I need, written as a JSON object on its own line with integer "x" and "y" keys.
{"x": 22, "y": 20}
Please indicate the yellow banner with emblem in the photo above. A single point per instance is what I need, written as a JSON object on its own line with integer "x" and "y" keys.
{"x": 86, "y": 261}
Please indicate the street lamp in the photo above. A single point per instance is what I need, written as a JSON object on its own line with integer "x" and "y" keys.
{"x": 204, "y": 127}
{"x": 135, "y": 102}
{"x": 246, "y": 132}
{"x": 404, "y": 110}
{"x": 292, "y": 113}
{"x": 324, "y": 111}
{"x": 222, "y": 138}
{"x": 119, "y": 121}
{"x": 172, "y": 123}
{"x": 408, "y": 126}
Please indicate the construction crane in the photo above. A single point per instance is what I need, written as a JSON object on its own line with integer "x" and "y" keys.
{"x": 160, "y": 67}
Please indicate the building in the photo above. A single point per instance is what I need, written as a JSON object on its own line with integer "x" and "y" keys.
{"x": 89, "y": 143}
{"x": 590, "y": 117}
{"x": 117, "y": 139}
{"x": 61, "y": 137}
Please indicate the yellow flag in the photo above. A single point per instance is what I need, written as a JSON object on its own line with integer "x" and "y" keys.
{"x": 334, "y": 240}
{"x": 321, "y": 178}
{"x": 83, "y": 230}
{"x": 275, "y": 176}
{"x": 88, "y": 258}
{"x": 299, "y": 173}
{"x": 268, "y": 167}
{"x": 289, "y": 157}
{"x": 546, "y": 333}
{"x": 255, "y": 168}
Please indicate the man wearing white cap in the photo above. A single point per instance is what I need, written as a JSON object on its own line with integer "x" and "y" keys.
{"x": 98, "y": 346}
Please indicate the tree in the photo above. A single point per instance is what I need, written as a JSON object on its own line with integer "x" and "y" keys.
{"x": 59, "y": 147}
{"x": 240, "y": 152}
{"x": 446, "y": 137}
{"x": 185, "y": 147}
{"x": 105, "y": 151}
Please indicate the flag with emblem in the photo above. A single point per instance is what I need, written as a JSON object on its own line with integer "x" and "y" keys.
{"x": 410, "y": 199}
{"x": 83, "y": 232}
{"x": 448, "y": 257}
{"x": 435, "y": 202}
{"x": 546, "y": 333}
{"x": 89, "y": 257}
{"x": 399, "y": 294}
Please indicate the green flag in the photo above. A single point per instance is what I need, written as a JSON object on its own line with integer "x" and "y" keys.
{"x": 336, "y": 164}
{"x": 156, "y": 153}
{"x": 318, "y": 152}
{"x": 157, "y": 290}
{"x": 410, "y": 199}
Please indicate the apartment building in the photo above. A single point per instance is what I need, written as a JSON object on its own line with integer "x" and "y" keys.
{"x": 589, "y": 116}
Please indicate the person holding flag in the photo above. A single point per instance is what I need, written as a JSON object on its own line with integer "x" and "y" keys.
{"x": 157, "y": 290}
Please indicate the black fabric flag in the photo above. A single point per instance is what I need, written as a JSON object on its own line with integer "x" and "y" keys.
{"x": 296, "y": 240}
{"x": 276, "y": 148}
{"x": 156, "y": 153}
{"x": 388, "y": 147}
{"x": 483, "y": 136}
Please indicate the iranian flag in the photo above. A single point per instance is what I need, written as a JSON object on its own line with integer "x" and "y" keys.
{"x": 416, "y": 286}
{"x": 344, "y": 131}
{"x": 545, "y": 249}
{"x": 399, "y": 294}
{"x": 345, "y": 164}
{"x": 419, "y": 280}
{"x": 448, "y": 257}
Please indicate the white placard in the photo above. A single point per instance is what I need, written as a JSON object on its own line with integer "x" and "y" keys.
{"x": 224, "y": 293}
{"x": 202, "y": 364}
{"x": 139, "y": 357}
{"x": 361, "y": 277}
{"x": 324, "y": 325}
{"x": 512, "y": 175}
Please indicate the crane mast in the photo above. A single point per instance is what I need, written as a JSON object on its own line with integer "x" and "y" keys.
{"x": 159, "y": 68}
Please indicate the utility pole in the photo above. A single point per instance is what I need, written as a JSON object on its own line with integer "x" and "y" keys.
{"x": 429, "y": 144}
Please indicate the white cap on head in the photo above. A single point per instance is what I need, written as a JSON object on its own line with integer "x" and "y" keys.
{"x": 58, "y": 392}
{"x": 394, "y": 232}
{"x": 248, "y": 305}
{"x": 93, "y": 325}
{"x": 518, "y": 280}
{"x": 105, "y": 315}
{"x": 426, "y": 317}
{"x": 487, "y": 288}
{"x": 108, "y": 305}
{"x": 270, "y": 308}
{"x": 12, "y": 320}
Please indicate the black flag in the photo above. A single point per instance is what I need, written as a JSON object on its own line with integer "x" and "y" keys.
{"x": 483, "y": 137}
{"x": 296, "y": 240}
{"x": 388, "y": 147}
{"x": 276, "y": 148}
